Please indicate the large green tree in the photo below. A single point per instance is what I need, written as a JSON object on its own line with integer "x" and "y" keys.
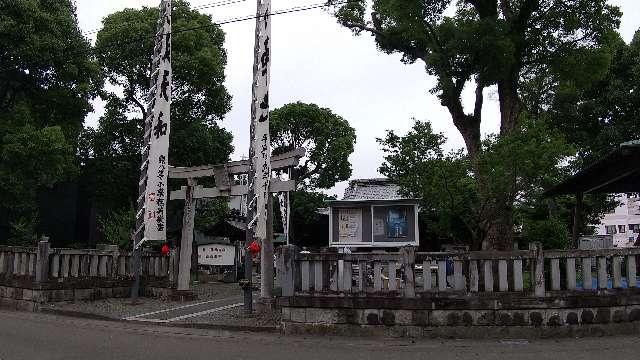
{"x": 47, "y": 77}
{"x": 452, "y": 205}
{"x": 327, "y": 137}
{"x": 329, "y": 141}
{"x": 500, "y": 43}
{"x": 598, "y": 116}
{"x": 595, "y": 116}
{"x": 199, "y": 99}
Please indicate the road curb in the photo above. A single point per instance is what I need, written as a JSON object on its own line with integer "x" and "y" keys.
{"x": 202, "y": 326}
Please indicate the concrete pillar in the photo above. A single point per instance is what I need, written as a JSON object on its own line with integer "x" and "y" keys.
{"x": 518, "y": 282}
{"x": 538, "y": 279}
{"x": 305, "y": 272}
{"x": 571, "y": 273}
{"x": 377, "y": 276}
{"x": 503, "y": 281}
{"x": 555, "y": 274}
{"x": 426, "y": 275}
{"x": 473, "y": 276}
{"x": 186, "y": 243}
{"x": 631, "y": 271}
{"x": 442, "y": 275}
{"x": 602, "y": 272}
{"x": 488, "y": 275}
{"x": 408, "y": 262}
{"x": 617, "y": 272}
{"x": 587, "y": 282}
{"x": 458, "y": 277}
{"x": 174, "y": 254}
{"x": 288, "y": 269}
{"x": 392, "y": 285}
{"x": 42, "y": 260}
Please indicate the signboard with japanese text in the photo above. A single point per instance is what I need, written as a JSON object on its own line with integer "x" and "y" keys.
{"x": 216, "y": 255}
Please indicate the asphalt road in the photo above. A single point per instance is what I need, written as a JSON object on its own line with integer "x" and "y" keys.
{"x": 40, "y": 336}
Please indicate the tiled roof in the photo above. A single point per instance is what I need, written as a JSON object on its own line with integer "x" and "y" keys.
{"x": 372, "y": 189}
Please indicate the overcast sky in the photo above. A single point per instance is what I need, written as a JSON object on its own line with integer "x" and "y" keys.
{"x": 316, "y": 60}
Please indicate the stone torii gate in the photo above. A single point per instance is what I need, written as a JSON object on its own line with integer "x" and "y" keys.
{"x": 225, "y": 186}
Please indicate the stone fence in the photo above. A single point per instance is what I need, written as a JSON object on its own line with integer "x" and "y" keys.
{"x": 417, "y": 292}
{"x": 30, "y": 276}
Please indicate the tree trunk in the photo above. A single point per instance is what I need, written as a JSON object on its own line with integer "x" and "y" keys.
{"x": 497, "y": 212}
{"x": 499, "y": 233}
{"x": 469, "y": 128}
{"x": 499, "y": 229}
{"x": 510, "y": 104}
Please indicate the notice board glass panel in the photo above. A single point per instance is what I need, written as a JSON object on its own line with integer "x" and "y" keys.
{"x": 349, "y": 225}
{"x": 393, "y": 223}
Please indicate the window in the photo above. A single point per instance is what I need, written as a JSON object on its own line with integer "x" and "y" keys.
{"x": 635, "y": 228}
{"x": 610, "y": 229}
{"x": 622, "y": 229}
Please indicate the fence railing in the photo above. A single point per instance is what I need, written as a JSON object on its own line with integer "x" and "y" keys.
{"x": 411, "y": 274}
{"x": 44, "y": 264}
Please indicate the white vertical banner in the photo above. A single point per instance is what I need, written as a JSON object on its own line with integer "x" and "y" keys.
{"x": 260, "y": 140}
{"x": 158, "y": 132}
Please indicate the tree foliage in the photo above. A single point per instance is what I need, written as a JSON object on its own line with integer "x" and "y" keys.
{"x": 308, "y": 227}
{"x": 116, "y": 227}
{"x": 198, "y": 60}
{"x": 327, "y": 137}
{"x": 520, "y": 166}
{"x": 501, "y": 43}
{"x": 486, "y": 42}
{"x": 199, "y": 99}
{"x": 329, "y": 141}
{"x": 600, "y": 115}
{"x": 47, "y": 78}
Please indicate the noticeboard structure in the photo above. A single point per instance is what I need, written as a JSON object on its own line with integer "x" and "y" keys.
{"x": 373, "y": 214}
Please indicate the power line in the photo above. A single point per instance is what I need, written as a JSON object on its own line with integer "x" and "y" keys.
{"x": 199, "y": 7}
{"x": 217, "y": 4}
{"x": 228, "y": 21}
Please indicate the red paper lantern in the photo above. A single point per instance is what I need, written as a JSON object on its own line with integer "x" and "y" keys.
{"x": 165, "y": 250}
{"x": 254, "y": 247}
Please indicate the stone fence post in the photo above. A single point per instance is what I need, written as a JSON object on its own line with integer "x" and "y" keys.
{"x": 174, "y": 255}
{"x": 115, "y": 257}
{"x": 538, "y": 269}
{"x": 42, "y": 260}
{"x": 408, "y": 261}
{"x": 287, "y": 269}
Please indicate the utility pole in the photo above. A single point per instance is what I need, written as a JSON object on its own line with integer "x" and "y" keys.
{"x": 260, "y": 146}
{"x": 152, "y": 187}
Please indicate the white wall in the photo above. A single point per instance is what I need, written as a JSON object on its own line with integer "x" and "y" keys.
{"x": 625, "y": 214}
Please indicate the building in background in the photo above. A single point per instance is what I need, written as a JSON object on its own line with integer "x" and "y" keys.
{"x": 372, "y": 213}
{"x": 623, "y": 224}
